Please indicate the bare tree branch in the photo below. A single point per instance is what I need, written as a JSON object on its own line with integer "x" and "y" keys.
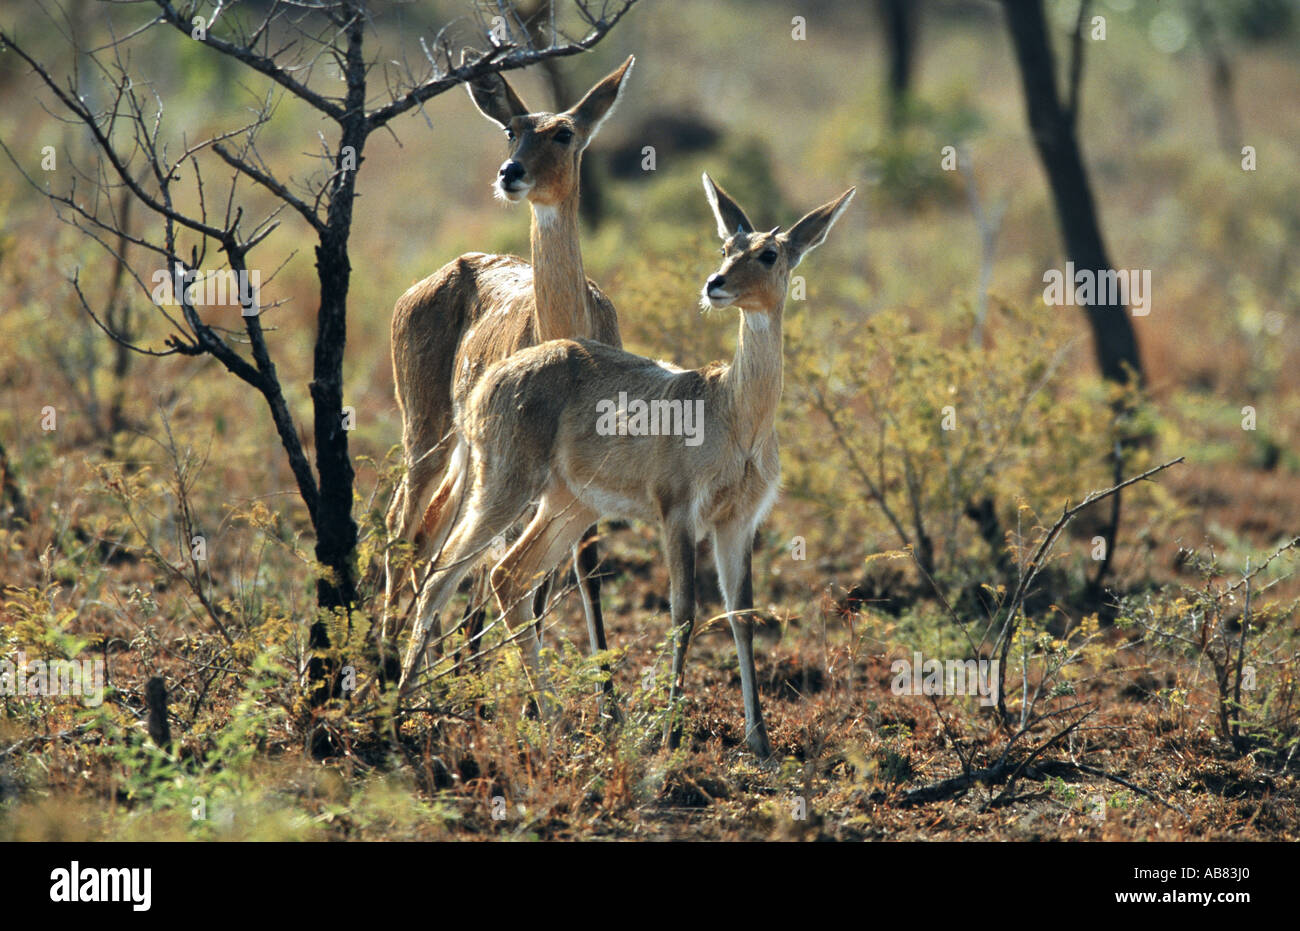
{"x": 1035, "y": 565}
{"x": 244, "y": 54}
{"x": 500, "y": 58}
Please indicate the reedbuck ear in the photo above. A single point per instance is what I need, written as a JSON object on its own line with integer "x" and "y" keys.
{"x": 496, "y": 99}
{"x": 810, "y": 232}
{"x": 591, "y": 111}
{"x": 731, "y": 219}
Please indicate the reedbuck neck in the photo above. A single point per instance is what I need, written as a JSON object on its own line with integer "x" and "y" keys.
{"x": 560, "y": 295}
{"x": 751, "y": 387}
{"x": 544, "y": 167}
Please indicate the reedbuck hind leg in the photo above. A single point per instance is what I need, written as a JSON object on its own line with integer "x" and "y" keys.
{"x": 554, "y": 530}
{"x": 586, "y": 560}
{"x": 483, "y": 519}
{"x": 426, "y": 458}
{"x": 472, "y": 621}
{"x": 732, "y": 553}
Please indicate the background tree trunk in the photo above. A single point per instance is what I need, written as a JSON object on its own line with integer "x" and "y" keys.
{"x": 900, "y": 18}
{"x": 1053, "y": 125}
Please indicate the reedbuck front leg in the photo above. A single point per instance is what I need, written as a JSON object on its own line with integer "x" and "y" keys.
{"x": 679, "y": 546}
{"x": 733, "y": 548}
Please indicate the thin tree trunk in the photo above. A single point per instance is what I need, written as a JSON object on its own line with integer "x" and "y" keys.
{"x": 11, "y": 491}
{"x": 336, "y": 530}
{"x": 1053, "y": 124}
{"x": 1221, "y": 94}
{"x": 900, "y": 19}
{"x": 1053, "y": 127}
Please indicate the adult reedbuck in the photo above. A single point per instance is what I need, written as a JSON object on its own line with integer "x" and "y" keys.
{"x": 478, "y": 309}
{"x": 538, "y": 428}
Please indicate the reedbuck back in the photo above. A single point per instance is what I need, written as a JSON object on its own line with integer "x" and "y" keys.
{"x": 565, "y": 424}
{"x": 448, "y": 328}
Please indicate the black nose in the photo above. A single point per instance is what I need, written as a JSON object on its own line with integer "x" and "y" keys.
{"x": 715, "y": 281}
{"x": 511, "y": 172}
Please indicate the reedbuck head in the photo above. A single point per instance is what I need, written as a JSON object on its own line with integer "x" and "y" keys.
{"x": 545, "y": 148}
{"x": 756, "y": 267}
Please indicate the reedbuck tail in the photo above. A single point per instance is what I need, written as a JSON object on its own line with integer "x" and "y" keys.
{"x": 444, "y": 509}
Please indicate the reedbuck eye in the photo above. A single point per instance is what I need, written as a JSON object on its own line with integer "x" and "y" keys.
{"x": 564, "y": 136}
{"x": 768, "y": 257}
{"x": 510, "y": 134}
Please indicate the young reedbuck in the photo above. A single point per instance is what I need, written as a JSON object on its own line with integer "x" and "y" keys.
{"x": 478, "y": 309}
{"x": 537, "y": 428}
